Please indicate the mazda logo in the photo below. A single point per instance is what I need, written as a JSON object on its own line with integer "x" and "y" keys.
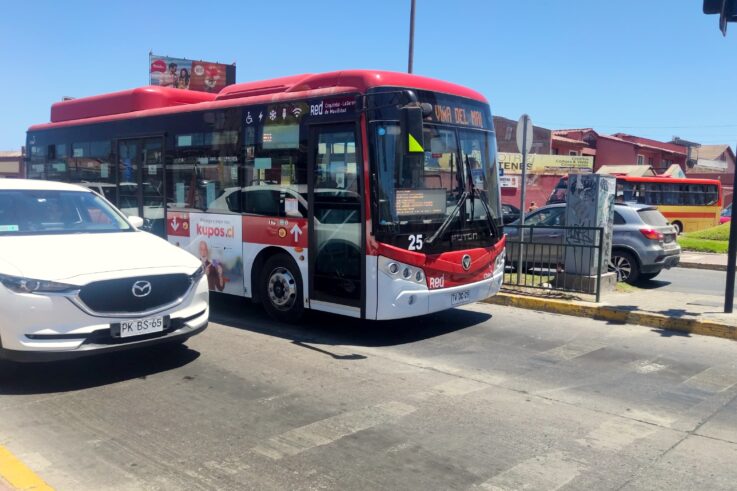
{"x": 141, "y": 288}
{"x": 466, "y": 262}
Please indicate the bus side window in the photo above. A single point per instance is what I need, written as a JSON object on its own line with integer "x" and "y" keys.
{"x": 712, "y": 195}
{"x": 276, "y": 169}
{"x": 651, "y": 194}
{"x": 672, "y": 194}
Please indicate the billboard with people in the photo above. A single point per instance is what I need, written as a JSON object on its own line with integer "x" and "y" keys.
{"x": 181, "y": 73}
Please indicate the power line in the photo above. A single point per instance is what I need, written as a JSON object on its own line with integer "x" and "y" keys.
{"x": 562, "y": 125}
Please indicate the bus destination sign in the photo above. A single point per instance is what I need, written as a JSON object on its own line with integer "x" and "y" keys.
{"x": 461, "y": 112}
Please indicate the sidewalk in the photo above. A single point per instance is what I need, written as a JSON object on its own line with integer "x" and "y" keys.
{"x": 670, "y": 312}
{"x": 703, "y": 260}
{"x": 667, "y": 311}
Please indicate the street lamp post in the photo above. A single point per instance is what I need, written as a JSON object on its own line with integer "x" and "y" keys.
{"x": 411, "y": 36}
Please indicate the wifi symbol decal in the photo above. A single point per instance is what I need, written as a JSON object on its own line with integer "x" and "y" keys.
{"x": 297, "y": 111}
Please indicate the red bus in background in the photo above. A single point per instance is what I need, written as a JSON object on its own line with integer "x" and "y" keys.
{"x": 689, "y": 204}
{"x": 365, "y": 193}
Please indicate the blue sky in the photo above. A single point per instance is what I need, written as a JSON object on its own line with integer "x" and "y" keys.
{"x": 654, "y": 68}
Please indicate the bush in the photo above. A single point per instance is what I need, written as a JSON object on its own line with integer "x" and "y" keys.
{"x": 720, "y": 232}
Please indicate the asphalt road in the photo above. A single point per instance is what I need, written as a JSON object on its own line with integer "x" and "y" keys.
{"x": 688, "y": 280}
{"x": 483, "y": 397}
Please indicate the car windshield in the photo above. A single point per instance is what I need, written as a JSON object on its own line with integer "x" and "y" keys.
{"x": 38, "y": 212}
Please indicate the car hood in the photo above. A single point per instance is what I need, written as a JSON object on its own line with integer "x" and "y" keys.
{"x": 69, "y": 256}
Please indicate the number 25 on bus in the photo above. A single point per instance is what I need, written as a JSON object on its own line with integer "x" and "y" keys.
{"x": 364, "y": 193}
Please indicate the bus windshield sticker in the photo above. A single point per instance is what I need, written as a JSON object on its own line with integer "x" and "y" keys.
{"x": 9, "y": 228}
{"x": 291, "y": 205}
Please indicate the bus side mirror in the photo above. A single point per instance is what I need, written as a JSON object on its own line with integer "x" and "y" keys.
{"x": 410, "y": 121}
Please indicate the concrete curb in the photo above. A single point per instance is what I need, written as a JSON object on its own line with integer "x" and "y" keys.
{"x": 712, "y": 267}
{"x": 615, "y": 315}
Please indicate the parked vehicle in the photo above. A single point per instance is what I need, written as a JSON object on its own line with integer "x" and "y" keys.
{"x": 509, "y": 213}
{"x": 643, "y": 242}
{"x": 77, "y": 277}
{"x": 726, "y": 214}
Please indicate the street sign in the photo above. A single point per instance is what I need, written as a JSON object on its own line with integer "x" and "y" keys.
{"x": 524, "y": 138}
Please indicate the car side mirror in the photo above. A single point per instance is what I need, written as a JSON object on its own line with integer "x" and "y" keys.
{"x": 137, "y": 222}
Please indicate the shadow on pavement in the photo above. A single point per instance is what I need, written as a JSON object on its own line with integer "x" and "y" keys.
{"x": 678, "y": 313}
{"x": 652, "y": 284}
{"x": 667, "y": 333}
{"x": 323, "y": 328}
{"x": 91, "y": 371}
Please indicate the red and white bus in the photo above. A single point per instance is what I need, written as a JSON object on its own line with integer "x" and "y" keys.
{"x": 365, "y": 193}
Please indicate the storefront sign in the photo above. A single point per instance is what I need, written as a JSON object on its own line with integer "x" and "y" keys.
{"x": 511, "y": 163}
{"x": 509, "y": 181}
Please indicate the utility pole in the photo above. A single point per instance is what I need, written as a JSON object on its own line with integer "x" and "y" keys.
{"x": 731, "y": 252}
{"x": 411, "y": 36}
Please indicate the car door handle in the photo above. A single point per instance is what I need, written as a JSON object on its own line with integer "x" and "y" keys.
{"x": 554, "y": 236}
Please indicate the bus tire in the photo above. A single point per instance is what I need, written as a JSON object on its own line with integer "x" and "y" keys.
{"x": 281, "y": 288}
{"x": 679, "y": 227}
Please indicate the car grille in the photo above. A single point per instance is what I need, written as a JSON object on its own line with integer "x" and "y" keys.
{"x": 117, "y": 296}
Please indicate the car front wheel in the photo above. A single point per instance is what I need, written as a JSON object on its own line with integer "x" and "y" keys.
{"x": 625, "y": 266}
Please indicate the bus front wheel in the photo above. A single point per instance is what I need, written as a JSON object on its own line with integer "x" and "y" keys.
{"x": 281, "y": 288}
{"x": 679, "y": 227}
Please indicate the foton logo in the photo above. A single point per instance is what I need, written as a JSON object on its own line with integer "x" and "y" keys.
{"x": 215, "y": 231}
{"x": 437, "y": 282}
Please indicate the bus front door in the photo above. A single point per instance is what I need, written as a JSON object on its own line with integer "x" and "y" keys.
{"x": 141, "y": 182}
{"x": 336, "y": 281}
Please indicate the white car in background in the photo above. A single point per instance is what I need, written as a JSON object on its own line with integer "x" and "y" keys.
{"x": 77, "y": 277}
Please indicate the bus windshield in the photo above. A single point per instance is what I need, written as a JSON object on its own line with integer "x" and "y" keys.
{"x": 457, "y": 167}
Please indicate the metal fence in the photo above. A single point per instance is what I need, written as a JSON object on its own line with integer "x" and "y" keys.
{"x": 555, "y": 258}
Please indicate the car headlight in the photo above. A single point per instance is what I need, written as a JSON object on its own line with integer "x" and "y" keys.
{"x": 197, "y": 275}
{"x": 29, "y": 285}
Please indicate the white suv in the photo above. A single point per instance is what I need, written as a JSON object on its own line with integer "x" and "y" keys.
{"x": 77, "y": 277}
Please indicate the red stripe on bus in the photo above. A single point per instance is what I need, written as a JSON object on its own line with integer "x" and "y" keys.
{"x": 688, "y": 214}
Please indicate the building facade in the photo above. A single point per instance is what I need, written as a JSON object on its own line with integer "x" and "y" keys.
{"x": 12, "y": 163}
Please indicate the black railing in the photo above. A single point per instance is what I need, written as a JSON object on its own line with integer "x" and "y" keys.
{"x": 566, "y": 259}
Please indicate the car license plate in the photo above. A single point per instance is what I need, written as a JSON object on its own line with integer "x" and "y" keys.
{"x": 458, "y": 298}
{"x": 139, "y": 327}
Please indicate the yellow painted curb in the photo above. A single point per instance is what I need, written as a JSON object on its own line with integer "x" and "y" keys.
{"x": 612, "y": 314}
{"x": 17, "y": 474}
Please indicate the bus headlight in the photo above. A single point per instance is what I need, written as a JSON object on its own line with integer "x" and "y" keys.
{"x": 500, "y": 260}
{"x": 409, "y": 273}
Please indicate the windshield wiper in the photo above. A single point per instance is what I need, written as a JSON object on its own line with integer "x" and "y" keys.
{"x": 487, "y": 208}
{"x": 446, "y": 223}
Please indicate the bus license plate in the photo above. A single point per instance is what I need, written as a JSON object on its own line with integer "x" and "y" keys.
{"x": 458, "y": 298}
{"x": 140, "y": 327}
